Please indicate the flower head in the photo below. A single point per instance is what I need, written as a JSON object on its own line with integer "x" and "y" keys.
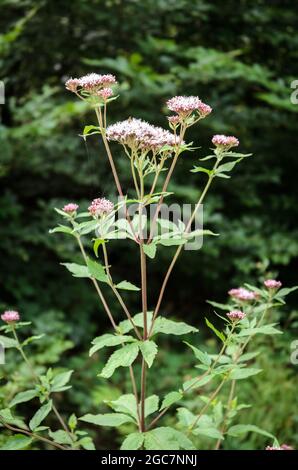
{"x": 92, "y": 83}
{"x": 139, "y": 134}
{"x": 72, "y": 84}
{"x": 282, "y": 447}
{"x": 10, "y": 316}
{"x": 225, "y": 141}
{"x": 100, "y": 207}
{"x": 70, "y": 208}
{"x": 242, "y": 294}
{"x": 272, "y": 284}
{"x": 105, "y": 93}
{"x": 185, "y": 105}
{"x": 236, "y": 315}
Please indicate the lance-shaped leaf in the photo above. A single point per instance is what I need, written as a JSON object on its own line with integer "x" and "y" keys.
{"x": 109, "y": 340}
{"x": 133, "y": 441}
{"x": 108, "y": 419}
{"x": 77, "y": 270}
{"x": 23, "y": 397}
{"x": 218, "y": 333}
{"x": 149, "y": 350}
{"x": 123, "y": 357}
{"x": 125, "y": 285}
{"x": 97, "y": 271}
{"x": 40, "y": 415}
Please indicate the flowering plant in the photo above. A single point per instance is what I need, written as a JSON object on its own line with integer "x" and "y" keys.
{"x": 152, "y": 154}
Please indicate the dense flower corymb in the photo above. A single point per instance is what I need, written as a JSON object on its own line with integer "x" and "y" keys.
{"x": 100, "y": 206}
{"x": 185, "y": 105}
{"x": 272, "y": 284}
{"x": 235, "y": 315}
{"x": 70, "y": 208}
{"x": 139, "y": 134}
{"x": 242, "y": 294}
{"x": 91, "y": 82}
{"x": 10, "y": 316}
{"x": 225, "y": 141}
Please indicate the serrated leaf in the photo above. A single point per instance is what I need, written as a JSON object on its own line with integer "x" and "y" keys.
{"x": 133, "y": 441}
{"x": 218, "y": 333}
{"x": 238, "y": 374}
{"x": 240, "y": 429}
{"x": 23, "y": 397}
{"x": 151, "y": 405}
{"x": 203, "y": 357}
{"x": 60, "y": 380}
{"x": 150, "y": 250}
{"x": 166, "y": 438}
{"x": 17, "y": 442}
{"x": 196, "y": 382}
{"x": 265, "y": 330}
{"x": 208, "y": 432}
{"x": 60, "y": 436}
{"x": 170, "y": 399}
{"x": 108, "y": 419}
{"x": 77, "y": 270}
{"x": 8, "y": 342}
{"x": 97, "y": 271}
{"x": 62, "y": 229}
{"x": 123, "y": 357}
{"x": 40, "y": 415}
{"x": 7, "y": 416}
{"x": 127, "y": 286}
{"x": 149, "y": 350}
{"x": 109, "y": 340}
{"x": 170, "y": 327}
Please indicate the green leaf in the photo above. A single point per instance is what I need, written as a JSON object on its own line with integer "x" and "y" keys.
{"x": 170, "y": 399}
{"x": 227, "y": 166}
{"x": 17, "y": 442}
{"x": 91, "y": 130}
{"x": 8, "y": 342}
{"x": 40, "y": 415}
{"x": 108, "y": 340}
{"x": 218, "y": 333}
{"x": 170, "y": 327}
{"x": 62, "y": 229}
{"x": 6, "y": 415}
{"x": 200, "y": 169}
{"x": 127, "y": 286}
{"x": 285, "y": 291}
{"x": 171, "y": 241}
{"x": 203, "y": 357}
{"x": 87, "y": 443}
{"x": 123, "y": 357}
{"x": 151, "y": 405}
{"x": 240, "y": 429}
{"x": 209, "y": 432}
{"x": 108, "y": 419}
{"x": 185, "y": 417}
{"x": 133, "y": 441}
{"x": 97, "y": 243}
{"x": 97, "y": 271}
{"x": 125, "y": 404}
{"x": 22, "y": 397}
{"x": 31, "y": 339}
{"x": 72, "y": 422}
{"x": 265, "y": 330}
{"x": 196, "y": 382}
{"x": 238, "y": 374}
{"x": 166, "y": 438}
{"x": 61, "y": 437}
{"x": 60, "y": 380}
{"x": 150, "y": 250}
{"x": 149, "y": 350}
{"x": 77, "y": 270}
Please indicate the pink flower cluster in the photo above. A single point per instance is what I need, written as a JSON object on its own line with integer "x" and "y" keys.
{"x": 242, "y": 294}
{"x": 139, "y": 134}
{"x": 70, "y": 208}
{"x": 105, "y": 93}
{"x": 226, "y": 141}
{"x": 282, "y": 447}
{"x": 235, "y": 315}
{"x": 10, "y": 316}
{"x": 92, "y": 83}
{"x": 272, "y": 284}
{"x": 185, "y": 105}
{"x": 100, "y": 207}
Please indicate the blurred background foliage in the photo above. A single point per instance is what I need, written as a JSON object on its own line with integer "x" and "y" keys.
{"x": 238, "y": 56}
